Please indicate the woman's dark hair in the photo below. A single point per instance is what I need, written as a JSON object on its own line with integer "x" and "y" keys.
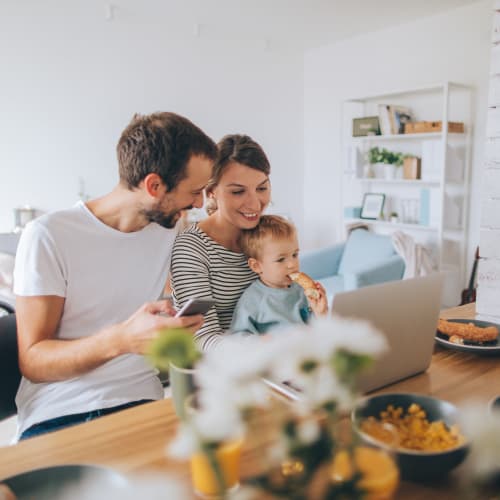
{"x": 236, "y": 148}
{"x": 160, "y": 143}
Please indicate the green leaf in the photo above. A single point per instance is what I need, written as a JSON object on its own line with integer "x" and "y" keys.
{"x": 347, "y": 365}
{"x": 308, "y": 365}
{"x": 173, "y": 345}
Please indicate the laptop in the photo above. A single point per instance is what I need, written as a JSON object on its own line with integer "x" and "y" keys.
{"x": 406, "y": 312}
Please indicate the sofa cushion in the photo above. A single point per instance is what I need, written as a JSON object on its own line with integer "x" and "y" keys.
{"x": 363, "y": 248}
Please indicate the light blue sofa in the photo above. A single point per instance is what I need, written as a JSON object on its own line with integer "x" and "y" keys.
{"x": 364, "y": 259}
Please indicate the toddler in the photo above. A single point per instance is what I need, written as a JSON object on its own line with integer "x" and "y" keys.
{"x": 274, "y": 299}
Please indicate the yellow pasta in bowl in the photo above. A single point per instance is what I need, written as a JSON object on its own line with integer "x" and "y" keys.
{"x": 420, "y": 431}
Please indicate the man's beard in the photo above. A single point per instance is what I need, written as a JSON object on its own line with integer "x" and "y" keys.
{"x": 165, "y": 220}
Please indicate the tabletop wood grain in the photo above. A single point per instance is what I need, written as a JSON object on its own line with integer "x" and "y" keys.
{"x": 134, "y": 440}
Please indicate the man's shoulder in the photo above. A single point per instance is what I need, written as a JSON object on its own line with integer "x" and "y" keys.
{"x": 51, "y": 222}
{"x": 57, "y": 217}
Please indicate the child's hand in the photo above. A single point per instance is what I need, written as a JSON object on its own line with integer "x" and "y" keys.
{"x": 319, "y": 306}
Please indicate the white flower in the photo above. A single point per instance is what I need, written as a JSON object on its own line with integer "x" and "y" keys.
{"x": 353, "y": 335}
{"x": 217, "y": 422}
{"x": 308, "y": 430}
{"x": 230, "y": 377}
{"x": 184, "y": 443}
{"x": 307, "y": 352}
{"x": 237, "y": 358}
{"x": 482, "y": 428}
{"x": 278, "y": 451}
{"x": 325, "y": 387}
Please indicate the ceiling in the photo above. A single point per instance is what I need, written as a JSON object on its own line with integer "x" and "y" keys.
{"x": 301, "y": 24}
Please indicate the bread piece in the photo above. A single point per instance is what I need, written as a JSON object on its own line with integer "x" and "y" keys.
{"x": 467, "y": 331}
{"x": 307, "y": 283}
{"x": 456, "y": 339}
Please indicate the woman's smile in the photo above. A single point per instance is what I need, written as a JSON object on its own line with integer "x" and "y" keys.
{"x": 251, "y": 216}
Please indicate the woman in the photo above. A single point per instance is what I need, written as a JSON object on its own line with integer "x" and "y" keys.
{"x": 206, "y": 259}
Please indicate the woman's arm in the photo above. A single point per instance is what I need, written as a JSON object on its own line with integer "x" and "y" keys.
{"x": 190, "y": 277}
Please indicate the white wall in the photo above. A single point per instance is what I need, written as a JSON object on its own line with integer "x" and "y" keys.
{"x": 70, "y": 82}
{"x": 488, "y": 291}
{"x": 448, "y": 47}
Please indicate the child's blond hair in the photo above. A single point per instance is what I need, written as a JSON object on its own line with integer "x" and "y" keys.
{"x": 278, "y": 228}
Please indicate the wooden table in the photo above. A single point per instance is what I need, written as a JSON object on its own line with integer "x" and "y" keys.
{"x": 134, "y": 440}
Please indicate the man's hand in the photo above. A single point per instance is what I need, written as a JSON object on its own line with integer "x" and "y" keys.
{"x": 45, "y": 358}
{"x": 136, "y": 333}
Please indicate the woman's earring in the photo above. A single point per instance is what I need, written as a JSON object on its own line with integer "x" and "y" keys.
{"x": 210, "y": 204}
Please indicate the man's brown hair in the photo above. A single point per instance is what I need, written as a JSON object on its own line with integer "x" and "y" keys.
{"x": 278, "y": 228}
{"x": 160, "y": 143}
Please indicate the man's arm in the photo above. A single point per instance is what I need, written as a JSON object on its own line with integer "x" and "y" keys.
{"x": 43, "y": 358}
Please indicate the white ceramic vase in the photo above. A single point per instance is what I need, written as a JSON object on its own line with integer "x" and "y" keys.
{"x": 389, "y": 171}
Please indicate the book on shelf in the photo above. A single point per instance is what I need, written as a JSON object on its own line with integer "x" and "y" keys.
{"x": 393, "y": 118}
{"x": 384, "y": 119}
{"x": 400, "y": 116}
{"x": 429, "y": 207}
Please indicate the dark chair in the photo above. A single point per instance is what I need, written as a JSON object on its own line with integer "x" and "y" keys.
{"x": 10, "y": 376}
{"x": 8, "y": 245}
{"x": 5, "y": 308}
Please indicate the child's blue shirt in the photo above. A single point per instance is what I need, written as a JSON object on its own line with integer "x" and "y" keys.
{"x": 262, "y": 308}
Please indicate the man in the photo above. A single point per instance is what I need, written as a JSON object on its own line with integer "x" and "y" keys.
{"x": 88, "y": 279}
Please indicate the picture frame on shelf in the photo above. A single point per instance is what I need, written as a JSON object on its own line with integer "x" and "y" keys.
{"x": 373, "y": 204}
{"x": 368, "y": 125}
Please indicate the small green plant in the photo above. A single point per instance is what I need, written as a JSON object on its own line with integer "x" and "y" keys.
{"x": 377, "y": 155}
{"x": 174, "y": 345}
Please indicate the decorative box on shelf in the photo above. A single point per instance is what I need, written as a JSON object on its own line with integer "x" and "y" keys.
{"x": 426, "y": 127}
{"x": 412, "y": 168}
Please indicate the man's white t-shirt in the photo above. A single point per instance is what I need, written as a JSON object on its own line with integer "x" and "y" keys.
{"x": 105, "y": 275}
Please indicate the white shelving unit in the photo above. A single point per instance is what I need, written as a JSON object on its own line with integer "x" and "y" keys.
{"x": 445, "y": 173}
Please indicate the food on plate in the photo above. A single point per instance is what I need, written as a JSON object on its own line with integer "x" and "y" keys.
{"x": 411, "y": 430}
{"x": 467, "y": 331}
{"x": 307, "y": 283}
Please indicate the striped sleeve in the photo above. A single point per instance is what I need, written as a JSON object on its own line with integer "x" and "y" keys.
{"x": 202, "y": 268}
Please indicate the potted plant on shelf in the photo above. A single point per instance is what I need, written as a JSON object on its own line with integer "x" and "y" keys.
{"x": 384, "y": 162}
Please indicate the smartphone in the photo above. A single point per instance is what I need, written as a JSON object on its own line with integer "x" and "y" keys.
{"x": 195, "y": 306}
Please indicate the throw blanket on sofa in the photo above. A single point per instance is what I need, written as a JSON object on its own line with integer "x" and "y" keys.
{"x": 418, "y": 260}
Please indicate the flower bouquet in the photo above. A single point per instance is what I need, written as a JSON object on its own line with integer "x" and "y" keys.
{"x": 307, "y": 457}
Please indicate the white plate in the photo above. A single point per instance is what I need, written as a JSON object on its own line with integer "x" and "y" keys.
{"x": 495, "y": 404}
{"x": 54, "y": 483}
{"x": 490, "y": 348}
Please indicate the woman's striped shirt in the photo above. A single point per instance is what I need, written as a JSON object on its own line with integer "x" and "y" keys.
{"x": 203, "y": 268}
